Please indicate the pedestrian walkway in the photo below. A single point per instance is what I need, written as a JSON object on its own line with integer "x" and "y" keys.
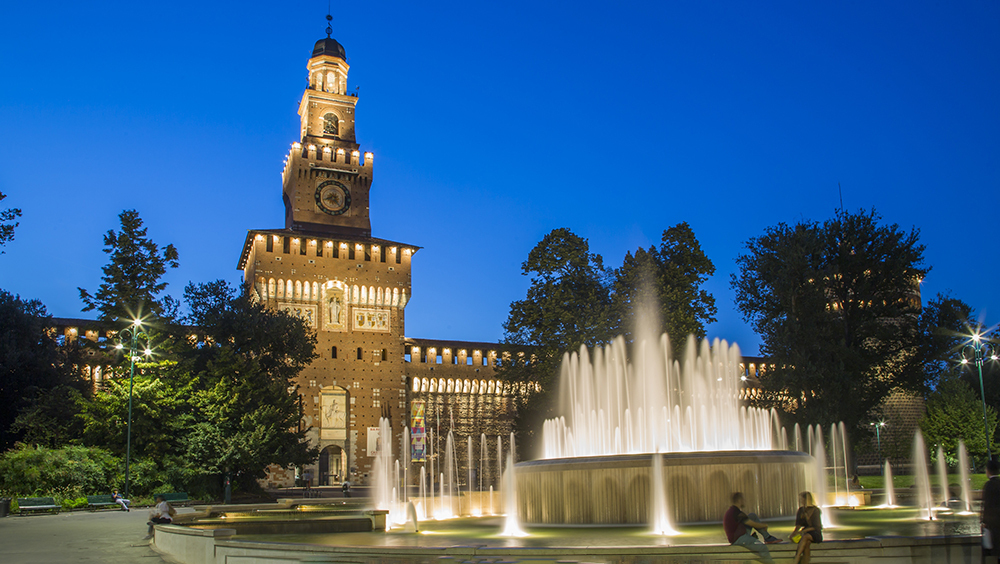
{"x": 114, "y": 537}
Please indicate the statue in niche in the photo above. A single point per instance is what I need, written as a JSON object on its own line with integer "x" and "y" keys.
{"x": 335, "y": 310}
{"x": 330, "y": 124}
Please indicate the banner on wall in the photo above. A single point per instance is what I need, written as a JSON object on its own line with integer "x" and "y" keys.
{"x": 374, "y": 441}
{"x": 418, "y": 435}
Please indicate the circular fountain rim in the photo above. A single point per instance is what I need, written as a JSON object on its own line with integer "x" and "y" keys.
{"x": 671, "y": 458}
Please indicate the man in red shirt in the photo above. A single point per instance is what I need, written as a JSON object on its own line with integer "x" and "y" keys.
{"x": 738, "y": 525}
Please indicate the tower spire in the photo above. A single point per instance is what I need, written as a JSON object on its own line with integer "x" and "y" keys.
{"x": 329, "y": 18}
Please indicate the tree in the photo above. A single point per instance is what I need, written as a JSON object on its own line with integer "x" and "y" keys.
{"x": 954, "y": 412}
{"x": 132, "y": 278}
{"x": 245, "y": 371}
{"x": 7, "y": 223}
{"x": 836, "y": 305}
{"x": 666, "y": 280}
{"x": 31, "y": 362}
{"x": 567, "y": 306}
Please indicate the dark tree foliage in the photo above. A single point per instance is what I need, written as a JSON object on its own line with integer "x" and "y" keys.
{"x": 945, "y": 326}
{"x": 7, "y": 223}
{"x": 131, "y": 284}
{"x": 31, "y": 362}
{"x": 567, "y": 306}
{"x": 246, "y": 401}
{"x": 666, "y": 281}
{"x": 837, "y": 307}
{"x": 954, "y": 412}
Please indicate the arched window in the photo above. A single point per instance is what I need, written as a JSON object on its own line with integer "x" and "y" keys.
{"x": 331, "y": 124}
{"x": 281, "y": 288}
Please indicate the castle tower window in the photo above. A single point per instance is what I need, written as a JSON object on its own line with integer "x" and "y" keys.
{"x": 350, "y": 252}
{"x": 368, "y": 252}
{"x": 336, "y": 251}
{"x": 381, "y": 254}
{"x": 319, "y": 248}
{"x": 359, "y": 353}
{"x": 399, "y": 258}
{"x": 286, "y": 245}
{"x": 383, "y": 354}
{"x": 331, "y": 124}
{"x": 270, "y": 244}
{"x": 333, "y": 352}
{"x": 302, "y": 246}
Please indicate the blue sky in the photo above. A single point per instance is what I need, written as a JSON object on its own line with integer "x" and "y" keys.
{"x": 492, "y": 125}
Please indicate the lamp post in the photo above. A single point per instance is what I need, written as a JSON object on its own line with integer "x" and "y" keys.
{"x": 878, "y": 438}
{"x": 974, "y": 352}
{"x": 132, "y": 332}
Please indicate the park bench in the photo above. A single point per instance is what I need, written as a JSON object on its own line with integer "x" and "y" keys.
{"x": 99, "y": 501}
{"x": 37, "y": 504}
{"x": 175, "y": 498}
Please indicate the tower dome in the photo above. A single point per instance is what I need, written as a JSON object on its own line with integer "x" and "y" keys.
{"x": 329, "y": 46}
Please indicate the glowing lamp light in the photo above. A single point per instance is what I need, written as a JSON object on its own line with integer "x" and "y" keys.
{"x": 340, "y": 151}
{"x": 312, "y": 147}
{"x": 148, "y": 352}
{"x": 297, "y": 145}
{"x": 260, "y": 237}
{"x": 368, "y": 157}
{"x": 355, "y": 153}
{"x": 329, "y": 243}
{"x": 326, "y": 149}
{"x": 119, "y": 346}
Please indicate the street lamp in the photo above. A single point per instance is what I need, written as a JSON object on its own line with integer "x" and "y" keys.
{"x": 974, "y": 352}
{"x": 878, "y": 438}
{"x": 132, "y": 332}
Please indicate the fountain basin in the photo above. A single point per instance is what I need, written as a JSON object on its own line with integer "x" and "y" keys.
{"x": 617, "y": 489}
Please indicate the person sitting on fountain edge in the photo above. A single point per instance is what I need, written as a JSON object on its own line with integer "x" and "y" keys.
{"x": 740, "y": 526}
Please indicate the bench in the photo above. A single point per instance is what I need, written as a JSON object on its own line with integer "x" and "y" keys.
{"x": 37, "y": 504}
{"x": 99, "y": 501}
{"x": 175, "y": 498}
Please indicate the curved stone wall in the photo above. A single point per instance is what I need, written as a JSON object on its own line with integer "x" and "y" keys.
{"x": 617, "y": 489}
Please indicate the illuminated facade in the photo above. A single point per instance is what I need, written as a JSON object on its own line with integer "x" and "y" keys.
{"x": 325, "y": 267}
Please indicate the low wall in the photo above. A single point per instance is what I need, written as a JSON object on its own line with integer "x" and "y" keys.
{"x": 181, "y": 545}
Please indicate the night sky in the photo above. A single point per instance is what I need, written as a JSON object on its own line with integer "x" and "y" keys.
{"x": 492, "y": 126}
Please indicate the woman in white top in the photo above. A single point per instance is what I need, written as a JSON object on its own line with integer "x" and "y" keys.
{"x": 160, "y": 514}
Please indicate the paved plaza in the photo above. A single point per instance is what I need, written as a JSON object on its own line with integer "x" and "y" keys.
{"x": 79, "y": 536}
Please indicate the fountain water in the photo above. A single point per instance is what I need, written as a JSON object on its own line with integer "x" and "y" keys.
{"x": 512, "y": 525}
{"x": 820, "y": 482}
{"x": 923, "y": 482}
{"x": 963, "y": 474}
{"x": 660, "y": 518}
{"x": 619, "y": 409}
{"x": 942, "y": 471}
{"x": 890, "y": 492}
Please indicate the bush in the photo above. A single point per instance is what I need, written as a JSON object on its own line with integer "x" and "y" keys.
{"x": 69, "y": 471}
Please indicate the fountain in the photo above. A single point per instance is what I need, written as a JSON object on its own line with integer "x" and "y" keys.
{"x": 963, "y": 474}
{"x": 923, "y": 482}
{"x": 942, "y": 471}
{"x": 890, "y": 492}
{"x": 619, "y": 409}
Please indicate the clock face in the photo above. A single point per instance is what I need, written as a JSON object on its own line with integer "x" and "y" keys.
{"x": 332, "y": 197}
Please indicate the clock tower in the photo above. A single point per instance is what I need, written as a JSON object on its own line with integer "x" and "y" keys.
{"x": 326, "y": 181}
{"x": 325, "y": 267}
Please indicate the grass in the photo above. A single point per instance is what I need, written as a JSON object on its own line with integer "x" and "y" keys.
{"x": 906, "y": 481}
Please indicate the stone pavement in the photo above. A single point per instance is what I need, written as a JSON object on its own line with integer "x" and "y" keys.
{"x": 108, "y": 536}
